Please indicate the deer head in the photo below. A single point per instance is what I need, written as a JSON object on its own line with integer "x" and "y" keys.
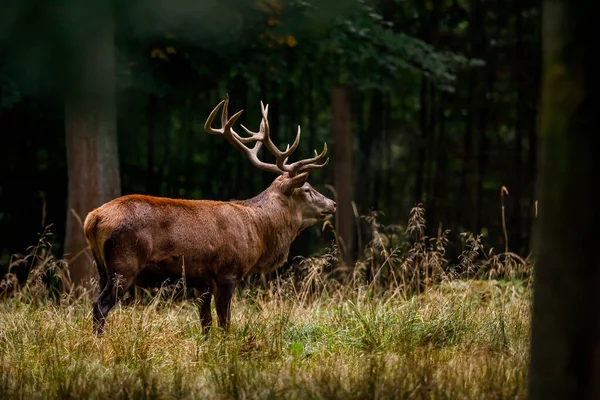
{"x": 291, "y": 185}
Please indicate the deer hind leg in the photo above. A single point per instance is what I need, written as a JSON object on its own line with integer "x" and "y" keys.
{"x": 102, "y": 275}
{"x": 223, "y": 297}
{"x": 118, "y": 282}
{"x": 204, "y": 297}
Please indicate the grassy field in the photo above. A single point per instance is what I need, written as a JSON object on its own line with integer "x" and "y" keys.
{"x": 461, "y": 340}
{"x": 421, "y": 328}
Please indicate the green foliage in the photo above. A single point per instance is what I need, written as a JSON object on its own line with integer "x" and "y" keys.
{"x": 273, "y": 40}
{"x": 171, "y": 48}
{"x": 372, "y": 54}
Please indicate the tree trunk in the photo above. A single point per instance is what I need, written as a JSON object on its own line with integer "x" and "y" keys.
{"x": 388, "y": 192}
{"x": 463, "y": 201}
{"x": 479, "y": 144}
{"x": 305, "y": 106}
{"x": 565, "y": 349}
{"x": 432, "y": 146}
{"x": 380, "y": 150}
{"x": 342, "y": 170}
{"x": 479, "y": 171}
{"x": 269, "y": 97}
{"x": 152, "y": 184}
{"x": 532, "y": 132}
{"x": 312, "y": 114}
{"x": 239, "y": 101}
{"x": 370, "y": 142}
{"x": 91, "y": 143}
{"x": 421, "y": 144}
{"x": 436, "y": 211}
{"x": 517, "y": 189}
{"x": 190, "y": 140}
{"x": 167, "y": 161}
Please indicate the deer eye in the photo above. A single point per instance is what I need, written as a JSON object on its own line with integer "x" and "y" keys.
{"x": 306, "y": 189}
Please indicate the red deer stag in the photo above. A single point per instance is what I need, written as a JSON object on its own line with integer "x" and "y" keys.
{"x": 212, "y": 244}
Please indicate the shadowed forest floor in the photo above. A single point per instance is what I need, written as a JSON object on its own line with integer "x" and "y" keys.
{"x": 460, "y": 339}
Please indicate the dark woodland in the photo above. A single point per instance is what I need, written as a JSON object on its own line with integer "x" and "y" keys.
{"x": 461, "y": 257}
{"x": 426, "y": 102}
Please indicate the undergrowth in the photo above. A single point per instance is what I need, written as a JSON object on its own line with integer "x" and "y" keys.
{"x": 404, "y": 322}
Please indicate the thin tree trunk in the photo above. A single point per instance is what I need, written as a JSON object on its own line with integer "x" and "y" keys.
{"x": 239, "y": 102}
{"x": 479, "y": 172}
{"x": 463, "y": 203}
{"x": 432, "y": 146}
{"x": 517, "y": 190}
{"x": 274, "y": 120}
{"x": 430, "y": 32}
{"x": 293, "y": 109}
{"x": 356, "y": 110}
{"x": 380, "y": 151}
{"x": 342, "y": 169}
{"x": 164, "y": 170}
{"x": 210, "y": 187}
{"x": 437, "y": 209}
{"x": 375, "y": 132}
{"x": 270, "y": 97}
{"x": 274, "y": 124}
{"x": 190, "y": 140}
{"x": 532, "y": 174}
{"x": 91, "y": 143}
{"x": 369, "y": 145}
{"x": 263, "y": 89}
{"x": 388, "y": 193}
{"x": 422, "y": 140}
{"x": 370, "y": 171}
{"x": 480, "y": 119}
{"x": 533, "y": 128}
{"x": 565, "y": 347}
{"x": 152, "y": 111}
{"x": 312, "y": 115}
{"x": 252, "y": 177}
{"x": 292, "y": 117}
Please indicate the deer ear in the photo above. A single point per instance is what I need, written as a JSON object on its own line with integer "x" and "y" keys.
{"x": 289, "y": 184}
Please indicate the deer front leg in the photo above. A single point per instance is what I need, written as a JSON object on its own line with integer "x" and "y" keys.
{"x": 225, "y": 290}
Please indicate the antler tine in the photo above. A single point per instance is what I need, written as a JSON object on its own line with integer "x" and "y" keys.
{"x": 260, "y": 135}
{"x": 264, "y": 136}
{"x": 280, "y": 157}
{"x": 211, "y": 117}
{"x": 289, "y": 150}
{"x": 264, "y": 110}
{"x": 261, "y": 131}
{"x": 231, "y": 121}
{"x": 226, "y": 123}
{"x": 310, "y": 163}
{"x": 225, "y": 112}
{"x": 232, "y": 137}
{"x": 312, "y": 166}
{"x": 250, "y": 139}
{"x": 260, "y": 138}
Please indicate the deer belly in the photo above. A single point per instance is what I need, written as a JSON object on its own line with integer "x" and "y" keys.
{"x": 172, "y": 268}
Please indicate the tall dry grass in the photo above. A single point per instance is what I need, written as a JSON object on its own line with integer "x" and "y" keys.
{"x": 405, "y": 322}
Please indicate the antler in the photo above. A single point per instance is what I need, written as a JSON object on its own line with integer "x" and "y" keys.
{"x": 259, "y": 138}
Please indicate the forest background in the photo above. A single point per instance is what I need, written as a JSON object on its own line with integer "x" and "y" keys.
{"x": 420, "y": 102}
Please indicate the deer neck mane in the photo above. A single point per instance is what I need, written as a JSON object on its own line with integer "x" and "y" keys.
{"x": 278, "y": 222}
{"x": 273, "y": 211}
